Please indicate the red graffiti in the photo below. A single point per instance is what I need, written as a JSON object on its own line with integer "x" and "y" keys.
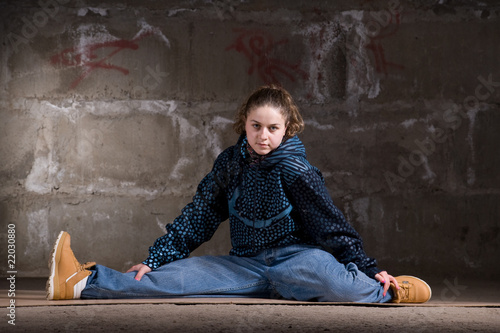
{"x": 86, "y": 57}
{"x": 386, "y": 30}
{"x": 258, "y": 47}
{"x": 381, "y": 63}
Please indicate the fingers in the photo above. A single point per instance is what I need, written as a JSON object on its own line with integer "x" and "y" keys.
{"x": 386, "y": 280}
{"x": 393, "y": 280}
{"x": 387, "y": 284}
{"x": 133, "y": 268}
{"x": 141, "y": 269}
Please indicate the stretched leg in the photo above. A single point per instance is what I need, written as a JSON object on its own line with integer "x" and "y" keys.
{"x": 308, "y": 273}
{"x": 202, "y": 276}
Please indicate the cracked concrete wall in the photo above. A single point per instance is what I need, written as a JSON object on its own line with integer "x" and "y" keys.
{"x": 113, "y": 111}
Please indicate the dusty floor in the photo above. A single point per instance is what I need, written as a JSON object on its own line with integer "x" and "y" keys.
{"x": 210, "y": 318}
{"x": 455, "y": 307}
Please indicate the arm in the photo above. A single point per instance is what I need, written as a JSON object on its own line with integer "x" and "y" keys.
{"x": 325, "y": 223}
{"x": 196, "y": 224}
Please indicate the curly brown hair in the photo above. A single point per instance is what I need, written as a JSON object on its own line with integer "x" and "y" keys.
{"x": 276, "y": 97}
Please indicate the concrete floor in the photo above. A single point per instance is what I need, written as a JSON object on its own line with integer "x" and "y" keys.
{"x": 455, "y": 307}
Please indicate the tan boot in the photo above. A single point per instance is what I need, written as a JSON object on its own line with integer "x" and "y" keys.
{"x": 67, "y": 276}
{"x": 412, "y": 290}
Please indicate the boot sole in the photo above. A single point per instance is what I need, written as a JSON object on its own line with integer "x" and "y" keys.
{"x": 55, "y": 256}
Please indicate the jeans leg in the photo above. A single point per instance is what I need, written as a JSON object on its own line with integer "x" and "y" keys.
{"x": 196, "y": 276}
{"x": 308, "y": 273}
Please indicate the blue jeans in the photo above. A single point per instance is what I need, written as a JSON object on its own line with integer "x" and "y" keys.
{"x": 296, "y": 272}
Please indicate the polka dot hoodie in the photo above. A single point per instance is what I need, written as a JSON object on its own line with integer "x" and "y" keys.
{"x": 276, "y": 201}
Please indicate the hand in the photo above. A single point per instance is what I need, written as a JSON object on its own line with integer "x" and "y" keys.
{"x": 386, "y": 279}
{"x": 141, "y": 269}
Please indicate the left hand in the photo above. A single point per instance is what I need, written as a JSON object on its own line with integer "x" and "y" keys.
{"x": 386, "y": 280}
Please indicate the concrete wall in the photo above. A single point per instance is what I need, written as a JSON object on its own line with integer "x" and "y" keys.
{"x": 112, "y": 111}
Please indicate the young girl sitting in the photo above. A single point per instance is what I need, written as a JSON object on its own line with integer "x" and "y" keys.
{"x": 288, "y": 238}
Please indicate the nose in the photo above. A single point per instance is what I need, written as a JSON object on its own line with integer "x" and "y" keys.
{"x": 263, "y": 133}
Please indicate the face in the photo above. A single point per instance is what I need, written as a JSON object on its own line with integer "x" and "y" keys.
{"x": 265, "y": 128}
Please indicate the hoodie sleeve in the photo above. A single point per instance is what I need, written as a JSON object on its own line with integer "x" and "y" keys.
{"x": 196, "y": 224}
{"x": 324, "y": 222}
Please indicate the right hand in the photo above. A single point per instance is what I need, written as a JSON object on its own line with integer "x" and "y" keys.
{"x": 141, "y": 269}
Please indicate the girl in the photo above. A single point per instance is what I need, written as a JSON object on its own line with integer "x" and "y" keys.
{"x": 288, "y": 238}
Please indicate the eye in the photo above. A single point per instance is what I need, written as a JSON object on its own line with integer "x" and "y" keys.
{"x": 256, "y": 126}
{"x": 273, "y": 128}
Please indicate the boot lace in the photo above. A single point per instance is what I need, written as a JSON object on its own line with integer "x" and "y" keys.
{"x": 82, "y": 267}
{"x": 404, "y": 291}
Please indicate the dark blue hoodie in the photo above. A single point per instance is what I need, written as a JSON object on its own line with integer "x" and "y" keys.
{"x": 275, "y": 201}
